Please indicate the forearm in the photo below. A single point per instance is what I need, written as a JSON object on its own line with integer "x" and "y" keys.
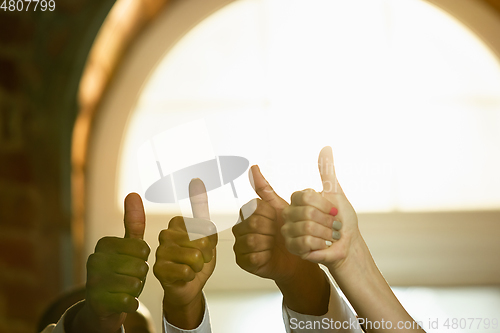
{"x": 307, "y": 292}
{"x": 368, "y": 292}
{"x": 185, "y": 317}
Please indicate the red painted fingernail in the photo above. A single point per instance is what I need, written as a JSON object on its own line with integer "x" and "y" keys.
{"x": 334, "y": 211}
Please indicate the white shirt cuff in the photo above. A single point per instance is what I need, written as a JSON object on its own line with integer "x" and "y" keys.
{"x": 204, "y": 327}
{"x": 71, "y": 312}
{"x": 346, "y": 322}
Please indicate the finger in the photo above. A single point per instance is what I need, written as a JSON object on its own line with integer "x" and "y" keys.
{"x": 197, "y": 227}
{"x": 130, "y": 266}
{"x": 264, "y": 190}
{"x": 253, "y": 243}
{"x": 304, "y": 228}
{"x": 182, "y": 255}
{"x": 311, "y": 198}
{"x": 260, "y": 221}
{"x": 181, "y": 226}
{"x": 170, "y": 238}
{"x": 303, "y": 245}
{"x": 123, "y": 284}
{"x": 251, "y": 262}
{"x": 255, "y": 224}
{"x": 170, "y": 272}
{"x": 127, "y": 246}
{"x": 106, "y": 303}
{"x": 337, "y": 225}
{"x": 199, "y": 199}
{"x": 326, "y": 255}
{"x": 252, "y": 207}
{"x": 134, "y": 218}
{"x": 307, "y": 213}
{"x": 327, "y": 171}
{"x": 258, "y": 207}
{"x": 205, "y": 245}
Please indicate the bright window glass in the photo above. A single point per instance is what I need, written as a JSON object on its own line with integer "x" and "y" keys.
{"x": 407, "y": 96}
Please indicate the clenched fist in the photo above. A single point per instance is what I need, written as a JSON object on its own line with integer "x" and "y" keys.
{"x": 183, "y": 266}
{"x": 260, "y": 249}
{"x": 310, "y": 231}
{"x": 116, "y": 273}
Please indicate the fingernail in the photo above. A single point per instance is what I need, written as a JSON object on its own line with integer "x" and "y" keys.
{"x": 335, "y": 235}
{"x": 328, "y": 243}
{"x": 334, "y": 211}
{"x": 337, "y": 225}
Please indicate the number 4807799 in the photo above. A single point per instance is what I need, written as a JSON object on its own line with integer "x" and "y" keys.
{"x": 24, "y": 5}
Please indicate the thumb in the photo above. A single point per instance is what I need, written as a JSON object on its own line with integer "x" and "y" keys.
{"x": 134, "y": 219}
{"x": 264, "y": 190}
{"x": 327, "y": 171}
{"x": 199, "y": 199}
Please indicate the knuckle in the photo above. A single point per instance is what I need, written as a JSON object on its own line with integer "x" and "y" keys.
{"x": 162, "y": 253}
{"x": 129, "y": 302}
{"x": 307, "y": 197}
{"x": 144, "y": 268}
{"x": 185, "y": 272}
{"x": 164, "y": 235}
{"x": 306, "y": 241}
{"x": 263, "y": 188}
{"x": 91, "y": 260}
{"x": 295, "y": 195}
{"x": 211, "y": 229}
{"x": 135, "y": 284}
{"x": 103, "y": 243}
{"x": 309, "y": 212}
{"x": 177, "y": 223}
{"x": 208, "y": 256}
{"x": 253, "y": 259}
{"x": 158, "y": 270}
{"x": 308, "y": 227}
{"x": 253, "y": 223}
{"x": 94, "y": 260}
{"x": 251, "y": 241}
{"x": 197, "y": 256}
{"x": 203, "y": 243}
{"x": 197, "y": 265}
{"x": 143, "y": 249}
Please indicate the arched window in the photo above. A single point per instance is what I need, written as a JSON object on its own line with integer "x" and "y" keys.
{"x": 407, "y": 95}
{"x": 410, "y": 109}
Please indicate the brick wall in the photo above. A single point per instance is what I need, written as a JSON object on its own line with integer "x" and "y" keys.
{"x": 42, "y": 56}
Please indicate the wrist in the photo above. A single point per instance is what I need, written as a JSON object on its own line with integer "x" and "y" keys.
{"x": 307, "y": 291}
{"x": 303, "y": 271}
{"x": 357, "y": 256}
{"x": 82, "y": 318}
{"x": 186, "y": 316}
{"x": 357, "y": 269}
{"x": 375, "y": 300}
